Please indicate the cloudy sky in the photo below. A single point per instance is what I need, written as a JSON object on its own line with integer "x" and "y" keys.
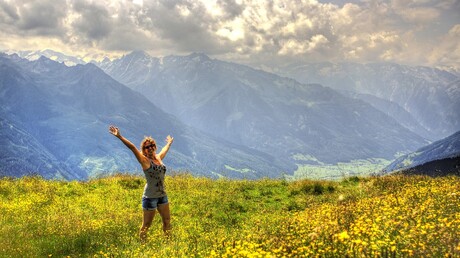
{"x": 259, "y": 33}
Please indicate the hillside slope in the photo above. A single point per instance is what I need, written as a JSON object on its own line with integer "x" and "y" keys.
{"x": 444, "y": 149}
{"x": 392, "y": 216}
{"x": 440, "y": 167}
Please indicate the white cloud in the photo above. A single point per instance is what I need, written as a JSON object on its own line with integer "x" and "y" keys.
{"x": 250, "y": 31}
{"x": 419, "y": 15}
{"x": 233, "y": 30}
{"x": 447, "y": 52}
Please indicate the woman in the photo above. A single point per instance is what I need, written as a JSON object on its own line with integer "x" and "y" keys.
{"x": 154, "y": 197}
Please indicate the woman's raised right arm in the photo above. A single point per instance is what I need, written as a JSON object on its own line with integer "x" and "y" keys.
{"x": 116, "y": 132}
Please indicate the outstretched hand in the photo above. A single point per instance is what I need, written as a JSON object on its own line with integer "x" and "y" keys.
{"x": 114, "y": 130}
{"x": 169, "y": 139}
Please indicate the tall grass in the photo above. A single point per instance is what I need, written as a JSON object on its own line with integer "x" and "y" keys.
{"x": 392, "y": 216}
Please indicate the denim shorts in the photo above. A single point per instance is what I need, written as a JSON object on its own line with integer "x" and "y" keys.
{"x": 152, "y": 203}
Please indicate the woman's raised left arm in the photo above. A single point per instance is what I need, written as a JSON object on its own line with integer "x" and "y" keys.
{"x": 165, "y": 149}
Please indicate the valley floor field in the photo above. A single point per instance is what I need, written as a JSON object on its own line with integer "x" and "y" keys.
{"x": 390, "y": 216}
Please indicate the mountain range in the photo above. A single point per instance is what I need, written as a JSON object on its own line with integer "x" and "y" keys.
{"x": 261, "y": 110}
{"x": 423, "y": 99}
{"x": 55, "y": 122}
{"x": 227, "y": 119}
{"x": 50, "y": 54}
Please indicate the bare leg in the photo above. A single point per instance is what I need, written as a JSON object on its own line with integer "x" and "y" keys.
{"x": 165, "y": 214}
{"x": 146, "y": 223}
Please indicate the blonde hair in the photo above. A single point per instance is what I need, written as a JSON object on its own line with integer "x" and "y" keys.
{"x": 147, "y": 139}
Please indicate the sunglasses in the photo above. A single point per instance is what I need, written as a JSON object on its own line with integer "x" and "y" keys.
{"x": 150, "y": 146}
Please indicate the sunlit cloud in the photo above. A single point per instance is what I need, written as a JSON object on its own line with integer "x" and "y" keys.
{"x": 253, "y": 32}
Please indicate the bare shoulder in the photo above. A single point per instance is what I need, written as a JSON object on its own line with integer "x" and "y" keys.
{"x": 158, "y": 157}
{"x": 145, "y": 162}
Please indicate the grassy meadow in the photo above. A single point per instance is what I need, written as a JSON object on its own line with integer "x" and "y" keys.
{"x": 391, "y": 216}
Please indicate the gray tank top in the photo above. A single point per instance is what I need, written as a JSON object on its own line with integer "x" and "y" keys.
{"x": 155, "y": 176}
